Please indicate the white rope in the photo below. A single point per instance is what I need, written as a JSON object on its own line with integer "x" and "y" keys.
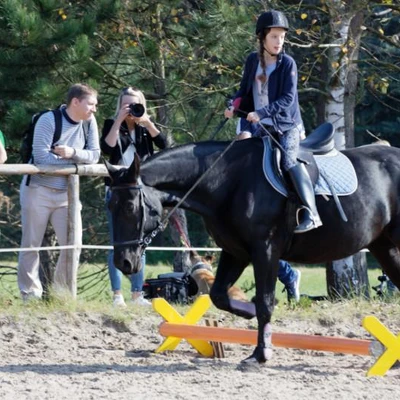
{"x": 87, "y": 246}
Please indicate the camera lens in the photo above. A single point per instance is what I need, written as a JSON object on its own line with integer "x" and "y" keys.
{"x": 137, "y": 110}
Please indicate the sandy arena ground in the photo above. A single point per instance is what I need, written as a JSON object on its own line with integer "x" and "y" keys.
{"x": 82, "y": 356}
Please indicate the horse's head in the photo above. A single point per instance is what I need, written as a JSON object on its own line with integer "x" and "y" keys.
{"x": 136, "y": 213}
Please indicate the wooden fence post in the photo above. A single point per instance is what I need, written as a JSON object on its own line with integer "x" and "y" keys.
{"x": 74, "y": 234}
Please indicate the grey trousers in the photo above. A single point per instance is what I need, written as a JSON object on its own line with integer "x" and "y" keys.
{"x": 39, "y": 205}
{"x": 290, "y": 141}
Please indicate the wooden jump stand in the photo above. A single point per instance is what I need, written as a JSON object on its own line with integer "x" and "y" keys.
{"x": 207, "y": 340}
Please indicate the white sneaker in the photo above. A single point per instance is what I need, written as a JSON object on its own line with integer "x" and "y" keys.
{"x": 141, "y": 301}
{"x": 30, "y": 297}
{"x": 118, "y": 301}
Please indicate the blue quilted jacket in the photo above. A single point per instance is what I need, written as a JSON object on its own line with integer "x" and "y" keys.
{"x": 283, "y": 105}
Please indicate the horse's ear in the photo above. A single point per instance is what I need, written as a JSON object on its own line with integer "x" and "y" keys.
{"x": 110, "y": 168}
{"x": 134, "y": 169}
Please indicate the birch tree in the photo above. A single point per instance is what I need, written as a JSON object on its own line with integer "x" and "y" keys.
{"x": 346, "y": 277}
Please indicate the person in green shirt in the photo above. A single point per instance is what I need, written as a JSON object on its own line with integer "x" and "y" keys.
{"x": 3, "y": 153}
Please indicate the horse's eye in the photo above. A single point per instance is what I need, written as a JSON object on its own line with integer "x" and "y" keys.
{"x": 129, "y": 208}
{"x": 153, "y": 212}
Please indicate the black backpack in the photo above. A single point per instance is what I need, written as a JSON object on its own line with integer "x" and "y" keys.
{"x": 25, "y": 149}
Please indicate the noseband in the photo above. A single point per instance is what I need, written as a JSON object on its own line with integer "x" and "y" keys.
{"x": 144, "y": 240}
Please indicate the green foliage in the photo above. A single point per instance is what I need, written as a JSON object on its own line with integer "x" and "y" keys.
{"x": 46, "y": 48}
{"x": 377, "y": 110}
{"x": 186, "y": 55}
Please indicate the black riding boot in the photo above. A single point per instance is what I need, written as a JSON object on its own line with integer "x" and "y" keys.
{"x": 309, "y": 214}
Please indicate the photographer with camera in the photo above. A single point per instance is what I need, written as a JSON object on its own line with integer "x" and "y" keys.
{"x": 130, "y": 131}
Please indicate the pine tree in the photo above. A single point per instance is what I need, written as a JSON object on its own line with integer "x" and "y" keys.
{"x": 46, "y": 48}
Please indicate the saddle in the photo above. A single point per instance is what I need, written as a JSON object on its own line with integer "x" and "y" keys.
{"x": 331, "y": 172}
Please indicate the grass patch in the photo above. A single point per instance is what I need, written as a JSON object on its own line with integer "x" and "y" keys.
{"x": 94, "y": 292}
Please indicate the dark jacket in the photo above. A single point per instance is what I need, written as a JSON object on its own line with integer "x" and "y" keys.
{"x": 144, "y": 142}
{"x": 283, "y": 105}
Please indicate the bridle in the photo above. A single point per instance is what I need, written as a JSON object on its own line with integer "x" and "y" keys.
{"x": 144, "y": 240}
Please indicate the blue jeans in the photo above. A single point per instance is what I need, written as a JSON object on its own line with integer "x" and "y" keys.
{"x": 286, "y": 273}
{"x": 391, "y": 287}
{"x": 114, "y": 273}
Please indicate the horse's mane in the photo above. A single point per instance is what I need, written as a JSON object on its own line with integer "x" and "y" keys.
{"x": 185, "y": 162}
{"x": 210, "y": 145}
{"x": 204, "y": 148}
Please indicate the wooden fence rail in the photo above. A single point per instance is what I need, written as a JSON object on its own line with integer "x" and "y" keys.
{"x": 68, "y": 169}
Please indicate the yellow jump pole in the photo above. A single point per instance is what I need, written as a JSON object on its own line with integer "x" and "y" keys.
{"x": 246, "y": 336}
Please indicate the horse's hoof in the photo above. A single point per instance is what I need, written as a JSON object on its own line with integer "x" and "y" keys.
{"x": 243, "y": 309}
{"x": 259, "y": 356}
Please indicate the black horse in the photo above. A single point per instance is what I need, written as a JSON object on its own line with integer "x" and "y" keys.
{"x": 247, "y": 217}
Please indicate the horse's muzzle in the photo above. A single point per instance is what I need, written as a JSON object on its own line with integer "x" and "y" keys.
{"x": 127, "y": 262}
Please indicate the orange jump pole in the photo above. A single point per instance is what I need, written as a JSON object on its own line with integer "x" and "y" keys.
{"x": 246, "y": 336}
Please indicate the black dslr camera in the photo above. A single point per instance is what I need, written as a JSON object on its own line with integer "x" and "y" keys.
{"x": 137, "y": 110}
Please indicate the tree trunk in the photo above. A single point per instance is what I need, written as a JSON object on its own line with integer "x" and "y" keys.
{"x": 348, "y": 277}
{"x": 180, "y": 236}
{"x": 351, "y": 82}
{"x": 339, "y": 24}
{"x": 181, "y": 260}
{"x": 158, "y": 67}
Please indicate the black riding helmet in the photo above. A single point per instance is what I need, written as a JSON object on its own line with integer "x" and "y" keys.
{"x": 271, "y": 19}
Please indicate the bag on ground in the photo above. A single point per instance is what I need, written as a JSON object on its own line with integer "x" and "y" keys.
{"x": 175, "y": 287}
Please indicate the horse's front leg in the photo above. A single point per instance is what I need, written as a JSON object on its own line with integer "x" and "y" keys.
{"x": 265, "y": 274}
